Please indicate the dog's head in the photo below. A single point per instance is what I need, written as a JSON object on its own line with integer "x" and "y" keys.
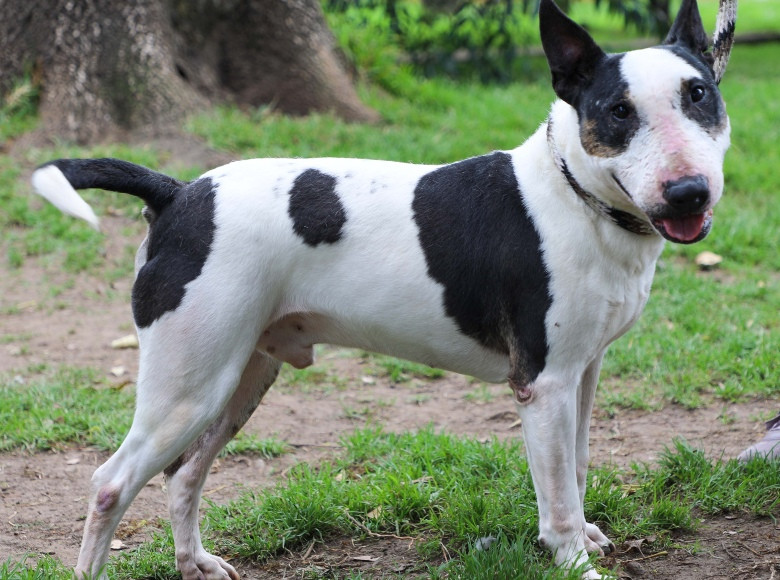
{"x": 652, "y": 125}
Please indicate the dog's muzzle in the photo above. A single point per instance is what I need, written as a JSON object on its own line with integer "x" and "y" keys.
{"x": 685, "y": 218}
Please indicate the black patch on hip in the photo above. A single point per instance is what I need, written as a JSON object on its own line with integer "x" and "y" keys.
{"x": 315, "y": 208}
{"x": 481, "y": 245}
{"x": 180, "y": 240}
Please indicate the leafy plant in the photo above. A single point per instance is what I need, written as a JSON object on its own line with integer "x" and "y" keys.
{"x": 476, "y": 40}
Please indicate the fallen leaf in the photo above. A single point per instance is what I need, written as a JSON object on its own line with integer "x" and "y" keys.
{"x": 708, "y": 260}
{"x": 366, "y": 558}
{"x": 635, "y": 545}
{"x": 117, "y": 545}
{"x": 129, "y": 341}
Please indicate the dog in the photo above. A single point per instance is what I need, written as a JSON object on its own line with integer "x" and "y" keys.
{"x": 519, "y": 265}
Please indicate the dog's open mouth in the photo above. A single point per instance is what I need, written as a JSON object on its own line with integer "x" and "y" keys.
{"x": 685, "y": 229}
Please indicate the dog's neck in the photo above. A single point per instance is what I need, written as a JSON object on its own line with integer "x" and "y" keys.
{"x": 623, "y": 219}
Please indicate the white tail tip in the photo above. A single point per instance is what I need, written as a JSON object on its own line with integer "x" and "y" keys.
{"x": 49, "y": 182}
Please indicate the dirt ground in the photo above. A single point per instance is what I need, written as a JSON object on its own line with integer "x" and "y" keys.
{"x": 44, "y": 495}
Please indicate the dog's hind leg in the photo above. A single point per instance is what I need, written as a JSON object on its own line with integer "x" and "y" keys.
{"x": 185, "y": 476}
{"x": 189, "y": 371}
{"x": 595, "y": 540}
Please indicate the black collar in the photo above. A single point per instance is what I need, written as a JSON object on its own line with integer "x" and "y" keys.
{"x": 623, "y": 219}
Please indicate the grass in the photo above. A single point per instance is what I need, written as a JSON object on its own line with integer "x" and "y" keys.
{"x": 70, "y": 406}
{"x": 60, "y": 410}
{"x": 398, "y": 370}
{"x": 439, "y": 490}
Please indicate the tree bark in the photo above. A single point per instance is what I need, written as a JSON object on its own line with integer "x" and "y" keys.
{"x": 109, "y": 67}
{"x": 277, "y": 52}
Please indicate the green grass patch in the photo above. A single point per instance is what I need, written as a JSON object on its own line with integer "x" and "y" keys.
{"x": 249, "y": 444}
{"x": 400, "y": 370}
{"x": 39, "y": 568}
{"x": 69, "y": 406}
{"x": 442, "y": 490}
{"x": 73, "y": 406}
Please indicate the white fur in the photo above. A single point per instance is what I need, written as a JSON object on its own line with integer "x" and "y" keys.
{"x": 50, "y": 183}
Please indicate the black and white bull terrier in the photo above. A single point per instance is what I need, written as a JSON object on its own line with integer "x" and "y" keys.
{"x": 519, "y": 265}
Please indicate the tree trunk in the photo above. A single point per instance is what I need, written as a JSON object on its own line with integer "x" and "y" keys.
{"x": 107, "y": 67}
{"x": 277, "y": 52}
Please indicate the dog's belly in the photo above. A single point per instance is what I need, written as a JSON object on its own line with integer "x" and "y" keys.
{"x": 436, "y": 343}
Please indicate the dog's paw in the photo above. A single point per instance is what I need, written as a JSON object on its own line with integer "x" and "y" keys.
{"x": 204, "y": 566}
{"x": 597, "y": 542}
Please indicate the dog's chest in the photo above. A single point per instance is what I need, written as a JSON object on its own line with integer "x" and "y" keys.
{"x": 600, "y": 274}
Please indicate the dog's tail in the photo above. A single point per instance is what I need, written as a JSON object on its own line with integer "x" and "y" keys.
{"x": 57, "y": 181}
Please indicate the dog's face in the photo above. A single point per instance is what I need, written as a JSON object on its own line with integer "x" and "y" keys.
{"x": 652, "y": 121}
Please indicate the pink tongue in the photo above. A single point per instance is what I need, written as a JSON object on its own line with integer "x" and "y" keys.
{"x": 685, "y": 228}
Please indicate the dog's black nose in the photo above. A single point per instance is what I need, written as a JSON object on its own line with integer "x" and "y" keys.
{"x": 687, "y": 194}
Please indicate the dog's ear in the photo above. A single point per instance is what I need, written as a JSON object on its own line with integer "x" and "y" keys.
{"x": 688, "y": 31}
{"x": 571, "y": 53}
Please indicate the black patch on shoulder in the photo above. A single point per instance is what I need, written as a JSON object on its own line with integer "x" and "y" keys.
{"x": 180, "y": 239}
{"x": 481, "y": 245}
{"x": 315, "y": 208}
{"x": 603, "y": 134}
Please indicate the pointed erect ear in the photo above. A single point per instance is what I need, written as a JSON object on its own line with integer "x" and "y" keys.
{"x": 688, "y": 31}
{"x": 571, "y": 53}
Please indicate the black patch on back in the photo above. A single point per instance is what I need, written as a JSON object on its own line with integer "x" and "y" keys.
{"x": 600, "y": 132}
{"x": 481, "y": 245}
{"x": 315, "y": 208}
{"x": 180, "y": 240}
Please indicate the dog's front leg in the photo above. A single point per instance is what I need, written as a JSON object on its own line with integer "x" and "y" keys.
{"x": 549, "y": 415}
{"x": 595, "y": 540}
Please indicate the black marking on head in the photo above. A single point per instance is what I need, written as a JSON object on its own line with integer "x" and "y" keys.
{"x": 608, "y": 120}
{"x": 709, "y": 111}
{"x": 481, "y": 245}
{"x": 687, "y": 32}
{"x": 315, "y": 208}
{"x": 701, "y": 102}
{"x": 572, "y": 54}
{"x": 180, "y": 240}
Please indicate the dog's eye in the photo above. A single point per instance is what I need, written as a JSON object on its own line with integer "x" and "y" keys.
{"x": 621, "y": 111}
{"x": 697, "y": 93}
